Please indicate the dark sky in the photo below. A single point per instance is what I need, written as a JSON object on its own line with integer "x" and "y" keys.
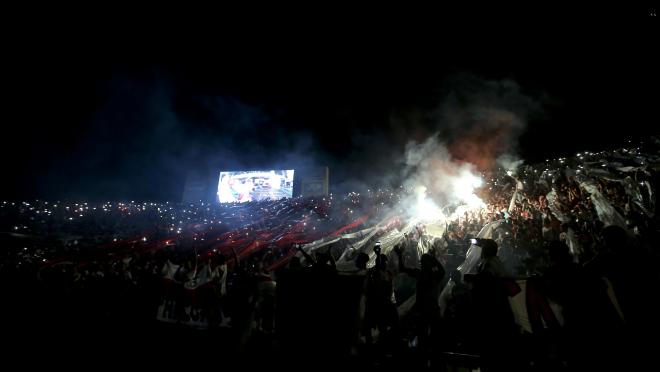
{"x": 125, "y": 113}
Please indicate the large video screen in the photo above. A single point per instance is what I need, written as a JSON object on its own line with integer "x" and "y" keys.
{"x": 245, "y": 186}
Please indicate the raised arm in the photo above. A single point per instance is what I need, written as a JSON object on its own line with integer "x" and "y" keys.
{"x": 402, "y": 268}
{"x": 333, "y": 263}
{"x": 236, "y": 259}
{"x": 307, "y": 256}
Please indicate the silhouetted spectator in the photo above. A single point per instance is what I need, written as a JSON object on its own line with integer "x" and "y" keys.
{"x": 426, "y": 308}
{"x": 496, "y": 330}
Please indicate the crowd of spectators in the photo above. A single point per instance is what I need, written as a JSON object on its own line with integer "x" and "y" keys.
{"x": 241, "y": 270}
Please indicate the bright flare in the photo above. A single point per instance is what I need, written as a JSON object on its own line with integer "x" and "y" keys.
{"x": 464, "y": 186}
{"x": 425, "y": 209}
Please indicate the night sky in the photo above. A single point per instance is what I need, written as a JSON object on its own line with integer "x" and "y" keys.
{"x": 126, "y": 114}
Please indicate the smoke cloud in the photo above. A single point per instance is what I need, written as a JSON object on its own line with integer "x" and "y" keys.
{"x": 478, "y": 127}
{"x": 146, "y": 137}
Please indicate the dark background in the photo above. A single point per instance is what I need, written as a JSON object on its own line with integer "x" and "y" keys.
{"x": 125, "y": 107}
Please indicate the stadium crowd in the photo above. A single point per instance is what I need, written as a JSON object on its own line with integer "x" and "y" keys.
{"x": 580, "y": 234}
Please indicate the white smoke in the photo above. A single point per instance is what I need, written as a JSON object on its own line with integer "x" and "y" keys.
{"x": 477, "y": 126}
{"x": 510, "y": 163}
{"x": 437, "y": 183}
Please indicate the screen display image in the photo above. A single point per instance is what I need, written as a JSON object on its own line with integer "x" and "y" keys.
{"x": 245, "y": 186}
